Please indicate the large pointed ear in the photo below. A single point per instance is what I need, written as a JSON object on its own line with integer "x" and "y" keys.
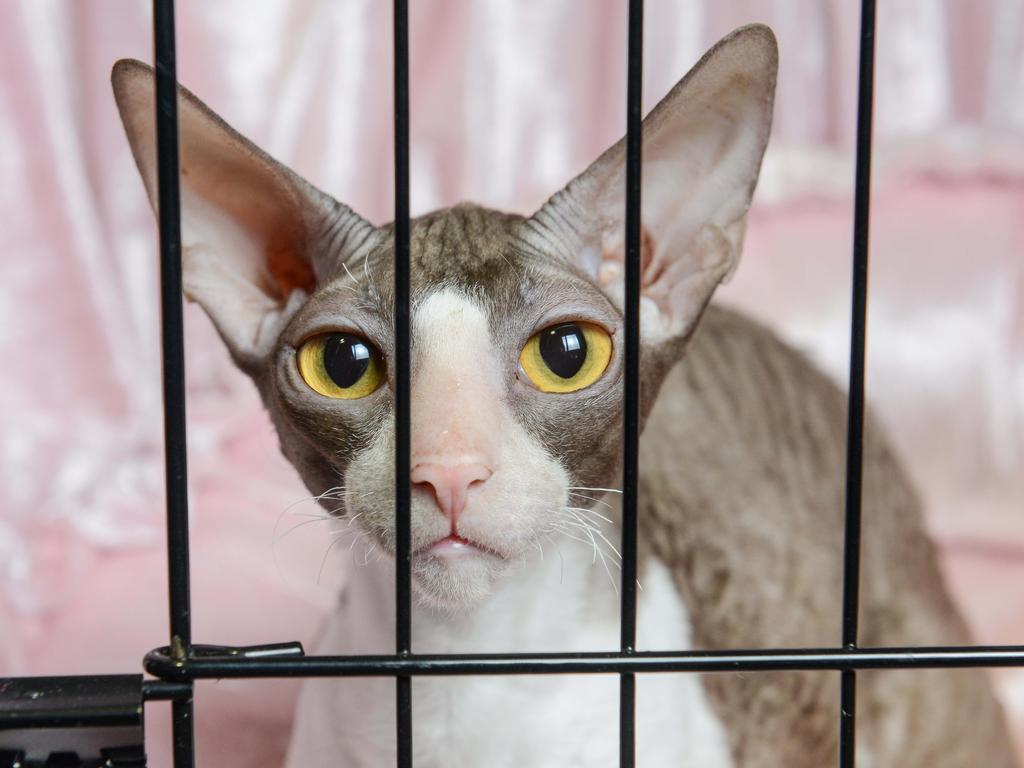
{"x": 702, "y": 149}
{"x": 256, "y": 238}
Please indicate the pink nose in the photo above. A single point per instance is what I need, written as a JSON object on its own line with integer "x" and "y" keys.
{"x": 450, "y": 484}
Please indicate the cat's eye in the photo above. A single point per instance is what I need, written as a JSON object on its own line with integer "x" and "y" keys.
{"x": 340, "y": 365}
{"x": 566, "y": 357}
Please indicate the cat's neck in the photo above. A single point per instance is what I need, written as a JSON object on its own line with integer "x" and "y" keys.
{"x": 563, "y": 586}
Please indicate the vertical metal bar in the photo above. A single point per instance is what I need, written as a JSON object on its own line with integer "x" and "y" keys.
{"x": 171, "y": 324}
{"x": 631, "y": 397}
{"x": 402, "y": 366}
{"x": 855, "y": 410}
{"x": 173, "y": 362}
{"x": 183, "y": 733}
{"x": 847, "y": 718}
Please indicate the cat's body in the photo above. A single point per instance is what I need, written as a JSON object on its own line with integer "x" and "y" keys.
{"x": 761, "y": 461}
{"x": 517, "y": 367}
{"x": 748, "y": 444}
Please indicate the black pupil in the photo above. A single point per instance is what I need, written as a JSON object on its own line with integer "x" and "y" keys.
{"x": 564, "y": 349}
{"x": 346, "y": 359}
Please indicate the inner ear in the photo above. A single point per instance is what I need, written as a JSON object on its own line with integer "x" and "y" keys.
{"x": 256, "y": 237}
{"x": 287, "y": 269}
{"x": 611, "y": 269}
{"x": 677, "y": 290}
{"x": 256, "y": 194}
{"x": 681, "y": 288}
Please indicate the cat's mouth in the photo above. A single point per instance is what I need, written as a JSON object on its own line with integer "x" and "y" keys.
{"x": 453, "y": 572}
{"x": 455, "y": 546}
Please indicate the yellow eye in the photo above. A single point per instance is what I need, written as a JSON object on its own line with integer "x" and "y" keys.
{"x": 566, "y": 357}
{"x": 340, "y": 365}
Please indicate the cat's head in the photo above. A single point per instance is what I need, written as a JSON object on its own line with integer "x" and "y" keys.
{"x": 517, "y": 354}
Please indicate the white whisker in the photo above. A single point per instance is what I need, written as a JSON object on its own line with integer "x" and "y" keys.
{"x": 591, "y": 498}
{"x": 604, "y": 538}
{"x": 278, "y": 539}
{"x": 349, "y": 272}
{"x": 599, "y": 554}
{"x": 328, "y": 494}
{"x": 577, "y": 523}
{"x": 314, "y": 515}
{"x": 607, "y": 570}
{"x": 591, "y": 512}
{"x": 367, "y": 553}
{"x": 565, "y": 532}
{"x": 561, "y": 558}
{"x": 323, "y": 560}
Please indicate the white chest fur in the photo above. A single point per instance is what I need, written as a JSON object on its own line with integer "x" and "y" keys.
{"x": 560, "y": 603}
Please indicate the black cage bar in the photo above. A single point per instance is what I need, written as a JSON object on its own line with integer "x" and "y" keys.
{"x": 403, "y": 622}
{"x": 173, "y": 344}
{"x": 181, "y": 663}
{"x": 631, "y": 383}
{"x": 855, "y": 403}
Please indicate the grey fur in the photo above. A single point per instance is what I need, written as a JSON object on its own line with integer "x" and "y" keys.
{"x": 742, "y": 493}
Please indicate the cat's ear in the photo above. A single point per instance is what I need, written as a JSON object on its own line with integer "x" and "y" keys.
{"x": 256, "y": 238}
{"x": 702, "y": 149}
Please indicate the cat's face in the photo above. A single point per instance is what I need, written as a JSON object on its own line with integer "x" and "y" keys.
{"x": 517, "y": 328}
{"x": 499, "y": 457}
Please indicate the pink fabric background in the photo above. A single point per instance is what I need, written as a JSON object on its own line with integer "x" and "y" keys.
{"x": 509, "y": 100}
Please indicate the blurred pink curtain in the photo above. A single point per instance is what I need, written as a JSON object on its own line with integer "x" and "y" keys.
{"x": 509, "y": 100}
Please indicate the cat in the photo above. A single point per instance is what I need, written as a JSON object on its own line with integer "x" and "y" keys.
{"x": 516, "y": 432}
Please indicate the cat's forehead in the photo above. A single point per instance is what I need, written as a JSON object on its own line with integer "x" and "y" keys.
{"x": 466, "y": 245}
{"x": 477, "y": 251}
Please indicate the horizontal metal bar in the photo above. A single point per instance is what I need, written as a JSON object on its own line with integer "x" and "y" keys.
{"x": 161, "y": 664}
{"x": 161, "y": 690}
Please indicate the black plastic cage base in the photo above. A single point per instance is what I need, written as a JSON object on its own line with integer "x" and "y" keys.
{"x": 88, "y": 722}
{"x": 113, "y": 757}
{"x": 72, "y": 722}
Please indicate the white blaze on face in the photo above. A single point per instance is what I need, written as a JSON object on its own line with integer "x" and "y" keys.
{"x": 458, "y": 402}
{"x": 483, "y": 489}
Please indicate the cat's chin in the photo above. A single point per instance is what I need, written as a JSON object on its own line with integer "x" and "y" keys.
{"x": 454, "y": 578}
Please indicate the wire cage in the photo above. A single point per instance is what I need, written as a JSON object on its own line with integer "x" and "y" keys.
{"x": 106, "y": 704}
